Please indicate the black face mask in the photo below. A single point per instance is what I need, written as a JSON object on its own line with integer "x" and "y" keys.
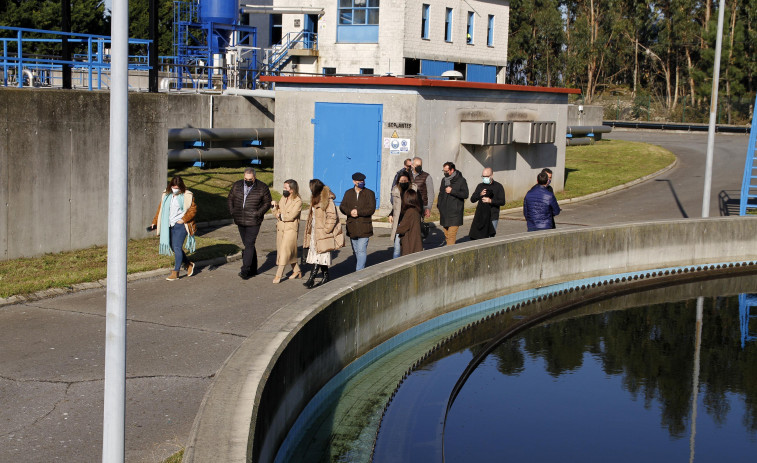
{"x": 418, "y": 169}
{"x": 404, "y": 186}
{"x": 285, "y": 193}
{"x": 249, "y": 182}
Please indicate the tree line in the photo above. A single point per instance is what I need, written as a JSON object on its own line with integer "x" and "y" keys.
{"x": 663, "y": 48}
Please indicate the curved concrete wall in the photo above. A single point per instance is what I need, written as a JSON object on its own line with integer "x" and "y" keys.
{"x": 266, "y": 383}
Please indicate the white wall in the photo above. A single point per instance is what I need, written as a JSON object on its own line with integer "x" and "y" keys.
{"x": 434, "y": 115}
{"x": 399, "y": 36}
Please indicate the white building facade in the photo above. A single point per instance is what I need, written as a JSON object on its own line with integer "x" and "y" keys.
{"x": 397, "y": 37}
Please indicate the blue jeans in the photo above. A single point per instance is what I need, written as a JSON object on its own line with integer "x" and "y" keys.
{"x": 360, "y": 248}
{"x": 494, "y": 224}
{"x": 397, "y": 249}
{"x": 178, "y": 235}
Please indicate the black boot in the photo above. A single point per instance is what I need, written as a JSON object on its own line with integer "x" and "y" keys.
{"x": 311, "y": 278}
{"x": 324, "y": 275}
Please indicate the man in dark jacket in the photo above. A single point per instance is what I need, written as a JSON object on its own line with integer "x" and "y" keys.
{"x": 249, "y": 200}
{"x": 490, "y": 195}
{"x": 358, "y": 205}
{"x": 451, "y": 201}
{"x": 540, "y": 205}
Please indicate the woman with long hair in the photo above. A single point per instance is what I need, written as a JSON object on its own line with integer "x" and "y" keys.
{"x": 404, "y": 183}
{"x": 323, "y": 232}
{"x": 175, "y": 222}
{"x": 409, "y": 228}
{"x": 287, "y": 212}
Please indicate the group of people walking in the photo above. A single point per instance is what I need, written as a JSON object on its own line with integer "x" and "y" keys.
{"x": 411, "y": 197}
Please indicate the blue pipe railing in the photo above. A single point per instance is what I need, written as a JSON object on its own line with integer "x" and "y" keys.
{"x": 95, "y": 61}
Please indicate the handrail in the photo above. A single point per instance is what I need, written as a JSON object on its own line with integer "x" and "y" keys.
{"x": 274, "y": 58}
{"x": 95, "y": 60}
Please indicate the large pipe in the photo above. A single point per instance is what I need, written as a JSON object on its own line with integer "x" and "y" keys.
{"x": 219, "y": 154}
{"x": 587, "y": 129}
{"x": 196, "y": 134}
{"x": 578, "y": 141}
{"x": 263, "y": 9}
{"x": 245, "y": 92}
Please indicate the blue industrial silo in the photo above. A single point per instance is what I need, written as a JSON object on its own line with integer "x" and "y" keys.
{"x": 218, "y": 12}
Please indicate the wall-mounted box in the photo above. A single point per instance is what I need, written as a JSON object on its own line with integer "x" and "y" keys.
{"x": 486, "y": 133}
{"x": 534, "y": 132}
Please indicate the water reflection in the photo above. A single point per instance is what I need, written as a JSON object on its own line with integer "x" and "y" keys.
{"x": 618, "y": 384}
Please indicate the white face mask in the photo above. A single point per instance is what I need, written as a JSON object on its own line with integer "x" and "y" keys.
{"x": 486, "y": 180}
{"x": 176, "y": 190}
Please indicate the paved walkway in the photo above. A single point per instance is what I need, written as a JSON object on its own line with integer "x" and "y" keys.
{"x": 180, "y": 333}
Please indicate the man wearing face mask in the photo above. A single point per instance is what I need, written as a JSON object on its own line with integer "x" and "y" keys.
{"x": 358, "y": 205}
{"x": 451, "y": 202}
{"x": 248, "y": 201}
{"x": 489, "y": 195}
{"x": 425, "y": 185}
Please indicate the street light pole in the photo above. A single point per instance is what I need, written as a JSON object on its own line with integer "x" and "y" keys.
{"x": 114, "y": 404}
{"x": 713, "y": 113}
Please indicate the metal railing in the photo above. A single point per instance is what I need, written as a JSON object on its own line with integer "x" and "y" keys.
{"x": 92, "y": 60}
{"x": 275, "y": 58}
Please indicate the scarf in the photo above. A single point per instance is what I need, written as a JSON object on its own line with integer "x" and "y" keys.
{"x": 447, "y": 180}
{"x": 165, "y": 226}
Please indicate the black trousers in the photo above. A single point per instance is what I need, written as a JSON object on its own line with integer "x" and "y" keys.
{"x": 249, "y": 255}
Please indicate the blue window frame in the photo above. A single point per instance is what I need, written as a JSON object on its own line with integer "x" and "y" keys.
{"x": 490, "y": 32}
{"x": 424, "y": 21}
{"x": 469, "y": 36}
{"x": 358, "y": 21}
{"x": 358, "y": 12}
{"x": 448, "y": 25}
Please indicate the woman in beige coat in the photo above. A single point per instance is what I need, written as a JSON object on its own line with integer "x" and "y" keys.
{"x": 287, "y": 213}
{"x": 323, "y": 232}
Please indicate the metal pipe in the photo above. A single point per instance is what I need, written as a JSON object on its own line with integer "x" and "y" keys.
{"x": 262, "y": 9}
{"x": 713, "y": 113}
{"x": 198, "y": 134}
{"x": 219, "y": 154}
{"x": 245, "y": 92}
{"x": 114, "y": 404}
{"x": 578, "y": 141}
{"x": 30, "y": 75}
{"x": 675, "y": 126}
{"x": 587, "y": 129}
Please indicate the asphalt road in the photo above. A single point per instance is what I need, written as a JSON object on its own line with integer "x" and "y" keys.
{"x": 179, "y": 333}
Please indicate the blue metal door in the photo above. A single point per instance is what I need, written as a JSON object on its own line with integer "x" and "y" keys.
{"x": 347, "y": 140}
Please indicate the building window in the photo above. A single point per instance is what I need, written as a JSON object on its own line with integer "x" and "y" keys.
{"x": 357, "y": 21}
{"x": 424, "y": 21}
{"x": 358, "y": 12}
{"x": 490, "y": 32}
{"x": 448, "y": 25}
{"x": 469, "y": 36}
{"x": 366, "y": 71}
{"x": 329, "y": 71}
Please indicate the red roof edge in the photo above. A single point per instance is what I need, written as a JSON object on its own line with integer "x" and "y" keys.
{"x": 413, "y": 82}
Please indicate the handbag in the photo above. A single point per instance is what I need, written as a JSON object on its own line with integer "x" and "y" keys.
{"x": 338, "y": 234}
{"x": 425, "y": 228}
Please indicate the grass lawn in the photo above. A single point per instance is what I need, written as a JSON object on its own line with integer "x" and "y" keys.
{"x": 29, "y": 275}
{"x": 211, "y": 187}
{"x": 598, "y": 167}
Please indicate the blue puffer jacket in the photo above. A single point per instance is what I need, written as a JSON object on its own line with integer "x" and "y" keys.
{"x": 539, "y": 206}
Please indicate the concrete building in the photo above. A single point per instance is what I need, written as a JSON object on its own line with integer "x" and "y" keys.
{"x": 380, "y": 37}
{"x": 330, "y": 127}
